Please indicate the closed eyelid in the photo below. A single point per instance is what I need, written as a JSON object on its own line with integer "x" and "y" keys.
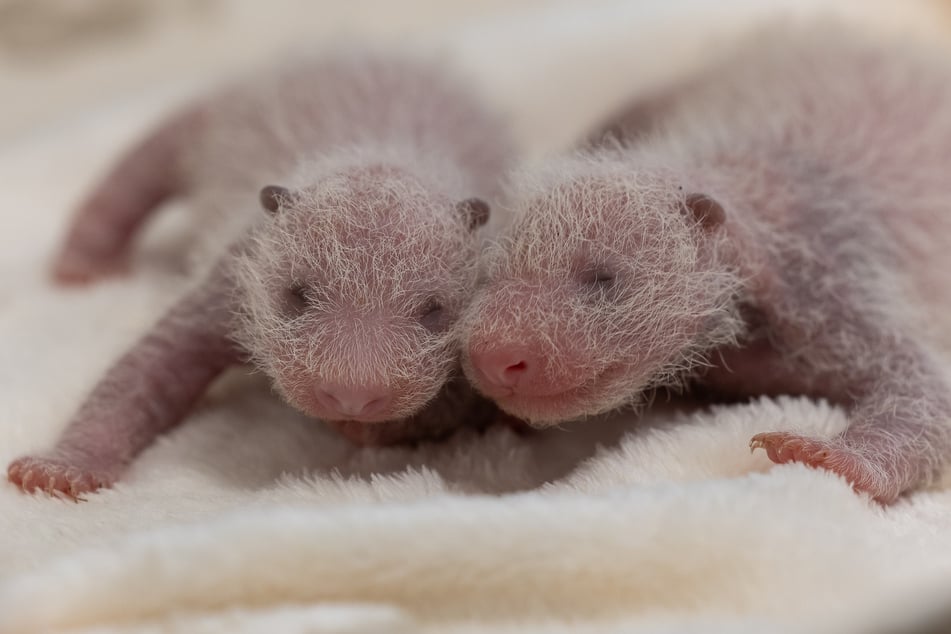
{"x": 597, "y": 274}
{"x": 302, "y": 296}
{"x": 433, "y": 314}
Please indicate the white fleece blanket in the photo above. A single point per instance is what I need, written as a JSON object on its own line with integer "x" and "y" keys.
{"x": 250, "y": 518}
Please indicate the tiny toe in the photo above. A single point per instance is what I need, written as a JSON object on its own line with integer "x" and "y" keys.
{"x": 761, "y": 441}
{"x": 84, "y": 484}
{"x": 79, "y": 482}
{"x": 771, "y": 452}
{"x": 821, "y": 455}
{"x": 811, "y": 452}
{"x": 772, "y": 442}
{"x": 793, "y": 450}
{"x": 781, "y": 450}
{"x": 26, "y": 482}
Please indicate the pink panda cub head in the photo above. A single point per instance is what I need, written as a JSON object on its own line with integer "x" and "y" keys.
{"x": 350, "y": 292}
{"x": 610, "y": 280}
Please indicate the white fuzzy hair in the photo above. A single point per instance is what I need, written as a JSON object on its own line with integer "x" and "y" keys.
{"x": 376, "y": 151}
{"x": 830, "y": 154}
{"x": 672, "y": 301}
{"x": 372, "y": 245}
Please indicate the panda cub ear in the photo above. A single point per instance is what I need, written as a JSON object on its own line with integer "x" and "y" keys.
{"x": 708, "y": 213}
{"x": 474, "y": 211}
{"x": 272, "y": 197}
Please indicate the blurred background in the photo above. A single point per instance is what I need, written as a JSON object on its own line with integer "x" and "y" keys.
{"x": 58, "y": 57}
{"x": 79, "y": 79}
{"x": 62, "y": 55}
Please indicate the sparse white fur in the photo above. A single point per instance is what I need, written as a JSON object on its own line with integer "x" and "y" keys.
{"x": 345, "y": 289}
{"x": 372, "y": 254}
{"x": 376, "y": 152}
{"x": 829, "y": 154}
{"x": 678, "y": 279}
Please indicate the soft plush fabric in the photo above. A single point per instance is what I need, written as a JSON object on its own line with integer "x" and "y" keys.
{"x": 251, "y": 518}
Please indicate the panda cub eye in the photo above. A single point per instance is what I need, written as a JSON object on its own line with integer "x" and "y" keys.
{"x": 601, "y": 281}
{"x": 599, "y": 277}
{"x": 300, "y": 297}
{"x": 296, "y": 298}
{"x": 432, "y": 315}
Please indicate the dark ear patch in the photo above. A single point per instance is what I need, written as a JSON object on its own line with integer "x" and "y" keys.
{"x": 475, "y": 211}
{"x": 707, "y": 211}
{"x": 271, "y": 197}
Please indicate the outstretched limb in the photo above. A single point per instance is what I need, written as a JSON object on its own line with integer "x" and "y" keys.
{"x": 899, "y": 433}
{"x": 101, "y": 232}
{"x": 867, "y": 471}
{"x": 148, "y": 391}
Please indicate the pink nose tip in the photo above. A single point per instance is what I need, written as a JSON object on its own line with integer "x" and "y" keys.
{"x": 504, "y": 367}
{"x": 348, "y": 401}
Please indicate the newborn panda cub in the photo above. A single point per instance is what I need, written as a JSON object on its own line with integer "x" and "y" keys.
{"x": 782, "y": 226}
{"x": 372, "y": 171}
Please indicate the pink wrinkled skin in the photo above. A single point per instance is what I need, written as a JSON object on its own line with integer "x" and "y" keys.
{"x": 345, "y": 291}
{"x": 779, "y": 224}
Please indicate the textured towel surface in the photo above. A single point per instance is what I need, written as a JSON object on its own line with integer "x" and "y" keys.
{"x": 250, "y": 518}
